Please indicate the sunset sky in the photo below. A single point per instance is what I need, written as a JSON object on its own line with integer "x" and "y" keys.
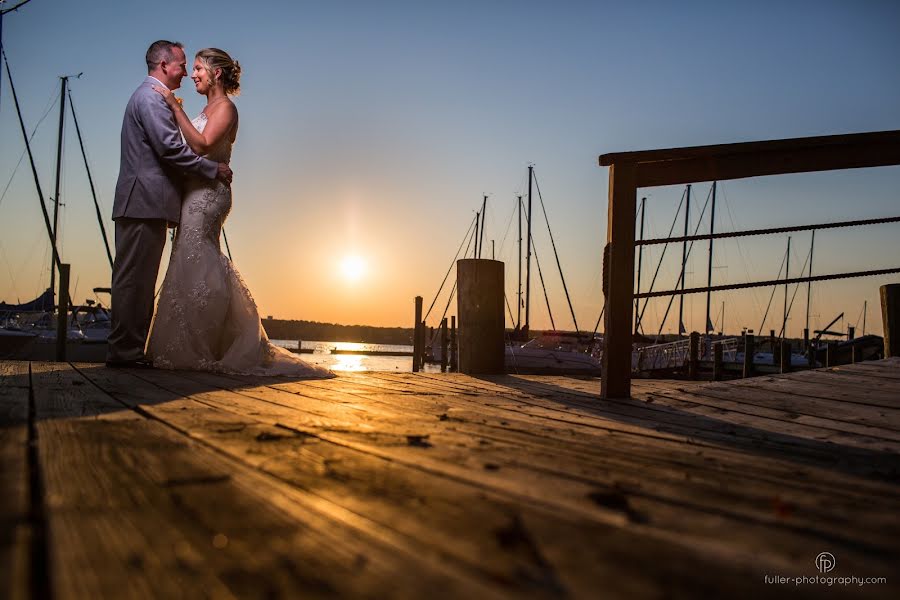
{"x": 371, "y": 130}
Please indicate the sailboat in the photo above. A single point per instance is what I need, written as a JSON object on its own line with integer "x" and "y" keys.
{"x": 28, "y": 330}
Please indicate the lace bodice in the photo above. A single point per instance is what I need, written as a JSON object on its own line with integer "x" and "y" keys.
{"x": 222, "y": 150}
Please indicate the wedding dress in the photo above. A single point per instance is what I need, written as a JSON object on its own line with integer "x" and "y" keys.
{"x": 206, "y": 319}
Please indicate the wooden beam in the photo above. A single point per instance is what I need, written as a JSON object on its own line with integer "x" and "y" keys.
{"x": 619, "y": 283}
{"x": 717, "y": 150}
{"x": 754, "y": 159}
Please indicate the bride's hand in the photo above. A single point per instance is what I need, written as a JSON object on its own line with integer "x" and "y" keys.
{"x": 168, "y": 96}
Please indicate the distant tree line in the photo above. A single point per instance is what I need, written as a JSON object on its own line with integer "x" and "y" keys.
{"x": 281, "y": 329}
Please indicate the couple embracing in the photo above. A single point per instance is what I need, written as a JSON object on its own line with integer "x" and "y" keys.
{"x": 175, "y": 171}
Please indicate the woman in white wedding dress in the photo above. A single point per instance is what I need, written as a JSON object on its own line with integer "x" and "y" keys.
{"x": 206, "y": 318}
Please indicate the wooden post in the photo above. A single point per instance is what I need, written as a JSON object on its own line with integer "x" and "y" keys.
{"x": 694, "y": 356}
{"x": 851, "y": 332}
{"x": 62, "y": 320}
{"x": 806, "y": 338}
{"x": 299, "y": 346}
{"x": 444, "y": 345}
{"x": 717, "y": 362}
{"x": 830, "y": 354}
{"x": 454, "y": 366}
{"x": 481, "y": 318}
{"x": 890, "y": 314}
{"x": 749, "y": 351}
{"x": 785, "y": 356}
{"x": 417, "y": 336}
{"x": 776, "y": 353}
{"x": 618, "y": 282}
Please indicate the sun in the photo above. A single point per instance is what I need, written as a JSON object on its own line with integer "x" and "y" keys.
{"x": 353, "y": 268}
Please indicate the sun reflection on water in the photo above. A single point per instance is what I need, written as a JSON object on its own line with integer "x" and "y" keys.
{"x": 349, "y": 362}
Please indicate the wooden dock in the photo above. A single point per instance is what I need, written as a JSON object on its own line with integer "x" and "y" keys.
{"x": 159, "y": 484}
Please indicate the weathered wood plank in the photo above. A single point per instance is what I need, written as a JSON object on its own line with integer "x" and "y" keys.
{"x": 461, "y": 516}
{"x": 390, "y": 447}
{"x": 136, "y": 509}
{"x": 16, "y": 533}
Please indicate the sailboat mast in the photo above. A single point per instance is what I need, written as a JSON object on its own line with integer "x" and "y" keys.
{"x": 477, "y": 220}
{"x": 787, "y": 267}
{"x": 519, "y": 294}
{"x": 483, "y": 223}
{"x": 640, "y": 257}
{"x": 63, "y": 81}
{"x": 812, "y": 245}
{"x": 712, "y": 224}
{"x": 528, "y": 253}
{"x": 865, "y": 311}
{"x": 684, "y": 250}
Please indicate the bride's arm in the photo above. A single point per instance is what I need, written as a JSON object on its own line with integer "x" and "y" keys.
{"x": 219, "y": 123}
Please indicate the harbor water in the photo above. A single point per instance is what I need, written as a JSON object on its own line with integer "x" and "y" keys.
{"x": 356, "y": 356}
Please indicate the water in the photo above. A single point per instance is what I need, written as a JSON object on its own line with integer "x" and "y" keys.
{"x": 356, "y": 362}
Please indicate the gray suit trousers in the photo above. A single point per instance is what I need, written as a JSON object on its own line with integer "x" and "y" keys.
{"x": 139, "y": 246}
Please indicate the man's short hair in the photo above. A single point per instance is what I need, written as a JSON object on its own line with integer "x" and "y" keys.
{"x": 159, "y": 51}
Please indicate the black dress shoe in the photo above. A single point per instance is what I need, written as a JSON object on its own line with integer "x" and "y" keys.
{"x": 129, "y": 364}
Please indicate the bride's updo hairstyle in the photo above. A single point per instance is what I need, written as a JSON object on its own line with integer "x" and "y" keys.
{"x": 212, "y": 59}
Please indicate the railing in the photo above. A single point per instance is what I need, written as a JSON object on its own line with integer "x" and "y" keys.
{"x": 674, "y": 355}
{"x": 629, "y": 171}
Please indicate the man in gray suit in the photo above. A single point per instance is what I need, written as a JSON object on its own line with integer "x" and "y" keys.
{"x": 154, "y": 161}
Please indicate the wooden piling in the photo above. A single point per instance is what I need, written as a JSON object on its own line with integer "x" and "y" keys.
{"x": 417, "y": 336}
{"x": 784, "y": 356}
{"x": 717, "y": 362}
{"x": 454, "y": 348}
{"x": 890, "y": 314}
{"x": 851, "y": 332}
{"x": 481, "y": 318}
{"x": 830, "y": 354}
{"x": 444, "y": 345}
{"x": 694, "y": 356}
{"x": 62, "y": 320}
{"x": 749, "y": 351}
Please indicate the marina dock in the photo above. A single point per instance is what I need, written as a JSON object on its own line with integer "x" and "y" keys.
{"x": 151, "y": 483}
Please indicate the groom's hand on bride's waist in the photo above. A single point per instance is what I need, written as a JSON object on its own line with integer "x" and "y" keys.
{"x": 225, "y": 173}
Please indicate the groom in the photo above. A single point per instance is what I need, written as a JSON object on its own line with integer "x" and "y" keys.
{"x": 154, "y": 161}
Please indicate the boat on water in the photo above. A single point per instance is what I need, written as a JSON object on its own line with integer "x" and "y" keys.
{"x": 28, "y": 331}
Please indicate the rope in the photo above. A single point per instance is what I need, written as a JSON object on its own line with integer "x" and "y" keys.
{"x": 452, "y": 263}
{"x": 772, "y": 296}
{"x": 91, "y": 182}
{"x": 541, "y": 275}
{"x": 741, "y": 286}
{"x": 750, "y": 232}
{"x": 683, "y": 268}
{"x": 555, "y": 254}
{"x": 661, "y": 256}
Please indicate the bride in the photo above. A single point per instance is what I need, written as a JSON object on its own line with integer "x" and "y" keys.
{"x": 206, "y": 318}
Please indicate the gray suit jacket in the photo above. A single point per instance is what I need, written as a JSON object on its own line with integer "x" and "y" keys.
{"x": 154, "y": 161}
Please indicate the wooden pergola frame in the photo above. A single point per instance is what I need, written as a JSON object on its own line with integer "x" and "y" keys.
{"x": 629, "y": 171}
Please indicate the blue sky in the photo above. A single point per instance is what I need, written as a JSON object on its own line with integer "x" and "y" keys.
{"x": 373, "y": 129}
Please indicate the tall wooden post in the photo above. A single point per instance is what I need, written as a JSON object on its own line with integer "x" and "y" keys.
{"x": 890, "y": 314}
{"x": 784, "y": 356}
{"x": 694, "y": 355}
{"x": 444, "y": 345}
{"x": 618, "y": 282}
{"x": 851, "y": 332}
{"x": 717, "y": 362}
{"x": 454, "y": 348}
{"x": 830, "y": 354}
{"x": 417, "y": 336}
{"x": 749, "y": 351}
{"x": 62, "y": 321}
{"x": 481, "y": 318}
